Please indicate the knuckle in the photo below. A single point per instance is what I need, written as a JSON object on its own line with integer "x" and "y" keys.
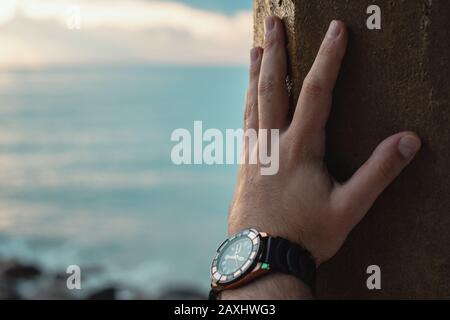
{"x": 333, "y": 48}
{"x": 328, "y": 49}
{"x": 313, "y": 87}
{"x": 266, "y": 86}
{"x": 250, "y": 97}
{"x": 344, "y": 208}
{"x": 254, "y": 70}
{"x": 250, "y": 108}
{"x": 247, "y": 106}
{"x": 385, "y": 169}
{"x": 298, "y": 148}
{"x": 270, "y": 42}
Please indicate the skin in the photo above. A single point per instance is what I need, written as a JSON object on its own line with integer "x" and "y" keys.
{"x": 302, "y": 202}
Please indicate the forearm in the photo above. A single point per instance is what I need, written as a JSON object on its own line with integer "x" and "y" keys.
{"x": 271, "y": 287}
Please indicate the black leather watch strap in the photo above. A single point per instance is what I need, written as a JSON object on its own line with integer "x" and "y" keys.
{"x": 276, "y": 255}
{"x": 289, "y": 258}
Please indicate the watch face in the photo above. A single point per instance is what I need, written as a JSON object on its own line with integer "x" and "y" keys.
{"x": 236, "y": 256}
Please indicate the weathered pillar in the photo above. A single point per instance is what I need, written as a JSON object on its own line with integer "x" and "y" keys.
{"x": 392, "y": 79}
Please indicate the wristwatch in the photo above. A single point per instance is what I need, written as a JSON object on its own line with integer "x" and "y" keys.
{"x": 250, "y": 254}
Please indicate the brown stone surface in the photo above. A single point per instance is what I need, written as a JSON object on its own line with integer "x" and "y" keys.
{"x": 393, "y": 79}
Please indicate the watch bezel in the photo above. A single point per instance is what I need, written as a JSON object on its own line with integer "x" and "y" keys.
{"x": 218, "y": 278}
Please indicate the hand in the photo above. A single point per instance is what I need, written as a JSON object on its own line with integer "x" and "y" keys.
{"x": 303, "y": 203}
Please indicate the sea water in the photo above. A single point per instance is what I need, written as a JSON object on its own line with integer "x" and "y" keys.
{"x": 86, "y": 176}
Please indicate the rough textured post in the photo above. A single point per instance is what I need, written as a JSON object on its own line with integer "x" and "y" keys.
{"x": 393, "y": 79}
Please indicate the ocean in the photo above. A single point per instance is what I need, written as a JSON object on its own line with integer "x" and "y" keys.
{"x": 86, "y": 176}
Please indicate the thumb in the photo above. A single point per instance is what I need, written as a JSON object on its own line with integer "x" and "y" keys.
{"x": 385, "y": 164}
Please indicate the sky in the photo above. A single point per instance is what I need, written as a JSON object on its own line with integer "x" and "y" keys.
{"x": 224, "y": 6}
{"x": 46, "y": 33}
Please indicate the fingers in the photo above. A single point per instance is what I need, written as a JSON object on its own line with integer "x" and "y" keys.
{"x": 385, "y": 164}
{"x": 273, "y": 96}
{"x": 314, "y": 103}
{"x": 251, "y": 106}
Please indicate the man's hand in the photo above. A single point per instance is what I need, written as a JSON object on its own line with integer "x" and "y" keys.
{"x": 303, "y": 203}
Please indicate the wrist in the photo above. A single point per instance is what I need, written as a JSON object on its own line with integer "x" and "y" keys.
{"x": 260, "y": 219}
{"x": 275, "y": 286}
{"x": 264, "y": 261}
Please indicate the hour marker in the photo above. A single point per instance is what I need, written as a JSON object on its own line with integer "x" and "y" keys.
{"x": 246, "y": 265}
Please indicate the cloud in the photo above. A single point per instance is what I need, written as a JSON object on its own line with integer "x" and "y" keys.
{"x": 36, "y": 33}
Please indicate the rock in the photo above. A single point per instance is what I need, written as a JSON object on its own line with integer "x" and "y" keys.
{"x": 391, "y": 80}
{"x": 104, "y": 294}
{"x": 182, "y": 294}
{"x": 47, "y": 288}
{"x": 8, "y": 290}
{"x": 28, "y": 282}
{"x": 22, "y": 272}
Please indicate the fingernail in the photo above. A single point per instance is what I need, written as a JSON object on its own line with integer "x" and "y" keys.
{"x": 269, "y": 23}
{"x": 334, "y": 29}
{"x": 408, "y": 146}
{"x": 254, "y": 54}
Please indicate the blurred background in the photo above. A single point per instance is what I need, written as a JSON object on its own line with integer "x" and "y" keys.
{"x": 90, "y": 92}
